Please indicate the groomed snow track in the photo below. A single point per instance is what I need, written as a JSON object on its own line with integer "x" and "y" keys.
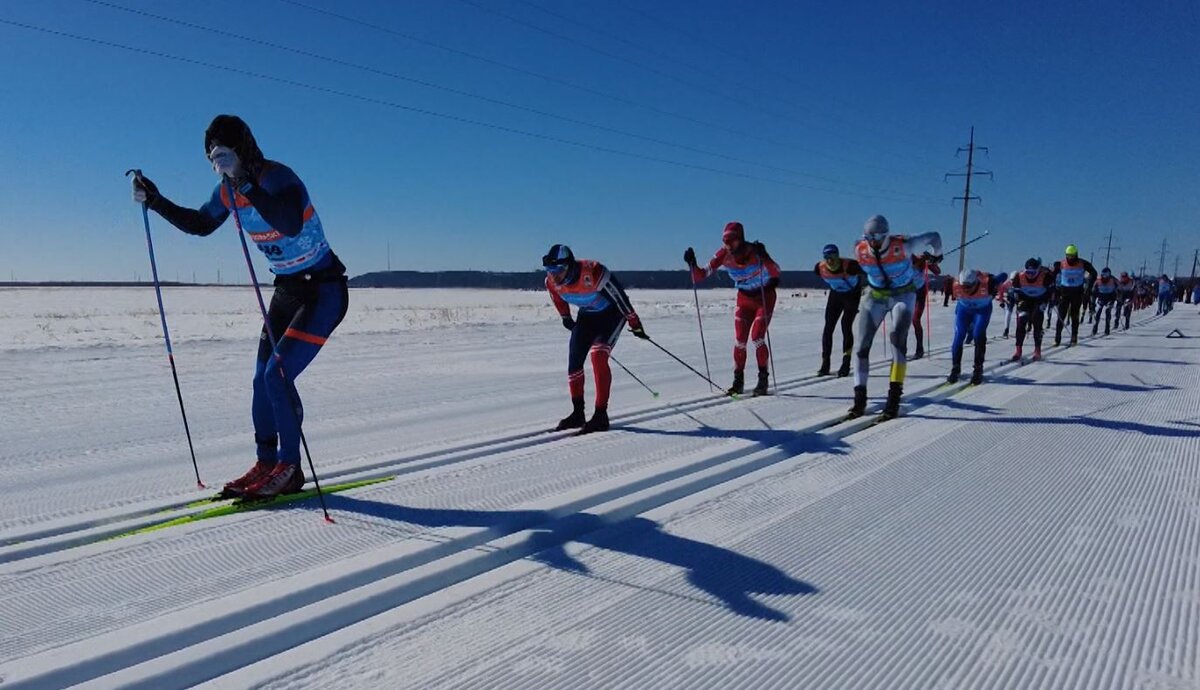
{"x": 983, "y": 540}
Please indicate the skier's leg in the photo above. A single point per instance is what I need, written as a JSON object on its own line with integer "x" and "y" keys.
{"x": 833, "y": 310}
{"x": 870, "y": 315}
{"x": 758, "y": 330}
{"x": 849, "y": 310}
{"x": 918, "y": 331}
{"x": 298, "y": 347}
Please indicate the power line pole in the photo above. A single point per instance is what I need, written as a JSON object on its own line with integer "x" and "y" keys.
{"x": 966, "y": 198}
{"x": 1162, "y": 257}
{"x": 1108, "y": 250}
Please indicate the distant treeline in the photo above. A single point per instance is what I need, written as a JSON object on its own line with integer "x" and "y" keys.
{"x": 535, "y": 280}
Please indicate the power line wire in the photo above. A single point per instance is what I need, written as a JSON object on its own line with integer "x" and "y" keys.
{"x": 434, "y": 113}
{"x": 587, "y": 89}
{"x": 710, "y": 45}
{"x": 720, "y": 94}
{"x": 494, "y": 101}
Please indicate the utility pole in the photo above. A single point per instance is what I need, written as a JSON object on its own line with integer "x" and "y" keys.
{"x": 1162, "y": 257}
{"x": 1108, "y": 250}
{"x": 966, "y": 198}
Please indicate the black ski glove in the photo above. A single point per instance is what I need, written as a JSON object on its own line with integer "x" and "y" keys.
{"x": 568, "y": 322}
{"x": 760, "y": 250}
{"x": 145, "y": 191}
{"x": 689, "y": 257}
{"x": 635, "y": 327}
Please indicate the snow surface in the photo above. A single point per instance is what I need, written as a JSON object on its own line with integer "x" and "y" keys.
{"x": 1040, "y": 531}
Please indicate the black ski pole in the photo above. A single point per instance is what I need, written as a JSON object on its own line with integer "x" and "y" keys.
{"x": 262, "y": 306}
{"x": 633, "y": 375}
{"x": 688, "y": 366}
{"x": 700, "y": 323}
{"x": 162, "y": 314}
{"x": 985, "y": 234}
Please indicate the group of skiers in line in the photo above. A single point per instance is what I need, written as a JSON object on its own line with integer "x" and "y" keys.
{"x": 886, "y": 275}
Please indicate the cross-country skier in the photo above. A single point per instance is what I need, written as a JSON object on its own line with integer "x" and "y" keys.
{"x": 975, "y": 291}
{"x": 887, "y": 261}
{"x": 1126, "y": 290}
{"x": 1104, "y": 291}
{"x": 1007, "y": 297}
{"x": 845, "y": 280}
{"x": 1032, "y": 288}
{"x": 603, "y": 309}
{"x": 1166, "y": 295}
{"x": 1073, "y": 277}
{"x": 922, "y": 269}
{"x": 755, "y": 275}
{"x": 310, "y": 288}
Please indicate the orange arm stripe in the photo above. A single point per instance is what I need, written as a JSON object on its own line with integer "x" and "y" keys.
{"x": 306, "y": 337}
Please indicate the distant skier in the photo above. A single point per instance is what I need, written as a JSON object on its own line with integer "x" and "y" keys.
{"x": 1007, "y": 298}
{"x": 310, "y": 297}
{"x": 1073, "y": 279}
{"x": 1104, "y": 292}
{"x": 845, "y": 280}
{"x": 603, "y": 310}
{"x": 1166, "y": 295}
{"x": 1126, "y": 296}
{"x": 756, "y": 276}
{"x": 922, "y": 269}
{"x": 1033, "y": 288}
{"x": 975, "y": 291}
{"x": 887, "y": 261}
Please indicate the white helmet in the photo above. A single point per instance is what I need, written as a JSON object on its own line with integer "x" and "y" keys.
{"x": 876, "y": 230}
{"x": 969, "y": 276}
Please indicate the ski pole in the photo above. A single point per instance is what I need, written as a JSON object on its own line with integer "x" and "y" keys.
{"x": 700, "y": 323}
{"x": 762, "y": 289}
{"x": 262, "y": 307}
{"x": 928, "y": 314}
{"x": 688, "y": 366}
{"x": 633, "y": 375}
{"x": 162, "y": 314}
{"x": 985, "y": 234}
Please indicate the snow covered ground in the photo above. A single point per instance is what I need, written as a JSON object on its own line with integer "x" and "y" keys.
{"x": 1040, "y": 531}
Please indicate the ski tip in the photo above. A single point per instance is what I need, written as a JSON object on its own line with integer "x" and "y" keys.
{"x": 200, "y": 484}
{"x": 329, "y": 520}
{"x": 656, "y": 395}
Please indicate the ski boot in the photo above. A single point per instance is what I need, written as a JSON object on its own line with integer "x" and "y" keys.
{"x": 739, "y": 383}
{"x": 1037, "y": 355}
{"x": 955, "y": 372}
{"x": 891, "y": 408}
{"x": 1074, "y": 340}
{"x": 575, "y": 420}
{"x": 764, "y": 378}
{"x": 976, "y": 376}
{"x": 844, "y": 371}
{"x": 920, "y": 351}
{"x": 1016, "y": 355}
{"x": 824, "y": 370}
{"x": 239, "y": 486}
{"x": 860, "y": 403}
{"x": 285, "y": 478}
{"x": 598, "y": 422}
{"x": 1006, "y": 334}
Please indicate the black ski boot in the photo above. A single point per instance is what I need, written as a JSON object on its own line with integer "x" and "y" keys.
{"x": 980, "y": 357}
{"x": 598, "y": 422}
{"x": 891, "y": 408}
{"x": 955, "y": 372}
{"x": 860, "y": 402}
{"x": 575, "y": 420}
{"x": 844, "y": 371}
{"x": 739, "y": 383}
{"x": 977, "y": 376}
{"x": 764, "y": 378}
{"x": 920, "y": 351}
{"x": 824, "y": 370}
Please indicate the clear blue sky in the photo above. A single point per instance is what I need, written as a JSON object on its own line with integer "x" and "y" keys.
{"x": 1089, "y": 109}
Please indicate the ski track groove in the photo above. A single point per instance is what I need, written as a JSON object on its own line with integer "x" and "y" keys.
{"x": 1084, "y": 508}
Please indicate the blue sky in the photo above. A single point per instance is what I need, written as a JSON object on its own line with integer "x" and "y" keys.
{"x": 799, "y": 119}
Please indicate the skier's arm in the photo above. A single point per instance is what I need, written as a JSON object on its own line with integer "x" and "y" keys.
{"x": 202, "y": 221}
{"x": 699, "y": 274}
{"x": 279, "y": 199}
{"x": 928, "y": 242}
{"x": 997, "y": 280}
{"x": 616, "y": 294}
{"x": 564, "y": 309}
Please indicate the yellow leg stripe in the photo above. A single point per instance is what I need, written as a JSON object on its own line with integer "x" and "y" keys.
{"x": 898, "y": 372}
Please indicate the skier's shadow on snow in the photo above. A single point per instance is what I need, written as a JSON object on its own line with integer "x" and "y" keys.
{"x": 1092, "y": 383}
{"x": 722, "y": 573}
{"x": 794, "y": 442}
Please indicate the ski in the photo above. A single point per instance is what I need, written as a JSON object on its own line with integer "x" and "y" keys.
{"x": 243, "y": 505}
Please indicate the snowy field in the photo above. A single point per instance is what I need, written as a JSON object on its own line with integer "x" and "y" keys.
{"x": 1039, "y": 531}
